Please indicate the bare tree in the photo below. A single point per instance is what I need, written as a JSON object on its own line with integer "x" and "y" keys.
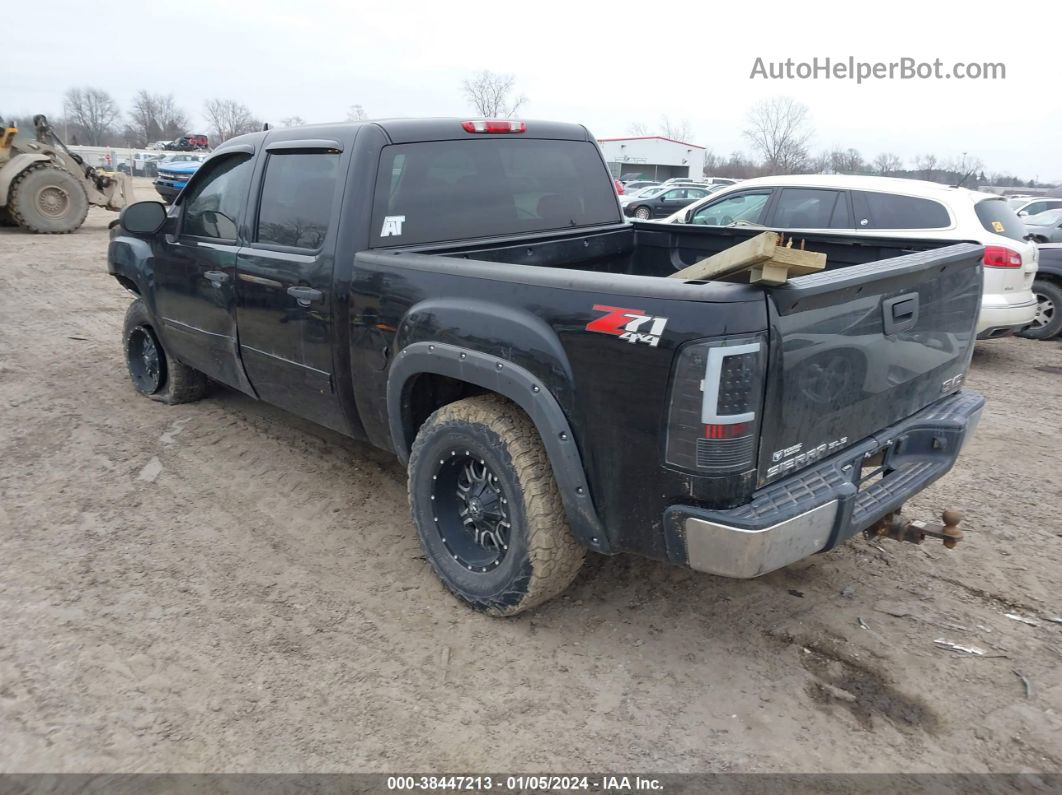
{"x": 886, "y": 163}
{"x": 675, "y": 130}
{"x": 154, "y": 117}
{"x": 229, "y": 118}
{"x": 959, "y": 171}
{"x": 927, "y": 165}
{"x": 492, "y": 95}
{"x": 712, "y": 163}
{"x": 356, "y": 113}
{"x": 738, "y": 166}
{"x": 847, "y": 161}
{"x": 92, "y": 110}
{"x": 292, "y": 121}
{"x": 778, "y": 130}
{"x": 820, "y": 163}
{"x": 668, "y": 128}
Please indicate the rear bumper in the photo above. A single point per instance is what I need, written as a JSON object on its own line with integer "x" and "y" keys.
{"x": 1000, "y": 319}
{"x": 822, "y": 506}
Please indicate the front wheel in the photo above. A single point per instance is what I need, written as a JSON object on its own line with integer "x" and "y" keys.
{"x": 1048, "y": 320}
{"x": 642, "y": 213}
{"x": 487, "y": 508}
{"x": 153, "y": 372}
{"x": 48, "y": 200}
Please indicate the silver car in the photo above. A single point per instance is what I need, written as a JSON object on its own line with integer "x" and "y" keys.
{"x": 1045, "y": 227}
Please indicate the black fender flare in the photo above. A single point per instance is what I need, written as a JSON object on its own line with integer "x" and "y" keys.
{"x": 525, "y": 390}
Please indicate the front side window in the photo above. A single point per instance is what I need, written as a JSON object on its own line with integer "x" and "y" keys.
{"x": 890, "y": 211}
{"x": 738, "y": 208}
{"x": 297, "y": 199}
{"x": 212, "y": 208}
{"x": 804, "y": 208}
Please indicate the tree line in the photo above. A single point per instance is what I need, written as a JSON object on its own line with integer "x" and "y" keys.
{"x": 778, "y": 131}
{"x": 92, "y": 117}
{"x": 779, "y": 134}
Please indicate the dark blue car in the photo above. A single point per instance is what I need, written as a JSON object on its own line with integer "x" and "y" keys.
{"x": 173, "y": 177}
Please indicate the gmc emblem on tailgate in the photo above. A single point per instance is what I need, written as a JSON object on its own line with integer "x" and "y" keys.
{"x": 953, "y": 383}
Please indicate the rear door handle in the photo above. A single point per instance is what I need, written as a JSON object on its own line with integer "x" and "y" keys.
{"x": 304, "y": 295}
{"x": 216, "y": 277}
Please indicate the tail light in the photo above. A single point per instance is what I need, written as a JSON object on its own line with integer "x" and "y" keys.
{"x": 714, "y": 415}
{"x": 1001, "y": 257}
{"x": 619, "y": 187}
{"x": 494, "y": 126}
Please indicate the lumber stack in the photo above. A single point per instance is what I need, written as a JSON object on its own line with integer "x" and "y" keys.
{"x": 768, "y": 258}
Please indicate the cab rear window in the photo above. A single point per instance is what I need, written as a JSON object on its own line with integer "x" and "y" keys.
{"x": 997, "y": 217}
{"x": 456, "y": 190}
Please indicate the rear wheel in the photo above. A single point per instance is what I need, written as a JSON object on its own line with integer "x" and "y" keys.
{"x": 47, "y": 200}
{"x": 487, "y": 508}
{"x": 1048, "y": 320}
{"x": 153, "y": 372}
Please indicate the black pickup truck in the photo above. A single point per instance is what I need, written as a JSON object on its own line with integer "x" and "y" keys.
{"x": 468, "y": 295}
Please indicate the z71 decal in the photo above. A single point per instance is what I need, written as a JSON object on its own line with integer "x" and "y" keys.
{"x": 632, "y": 325}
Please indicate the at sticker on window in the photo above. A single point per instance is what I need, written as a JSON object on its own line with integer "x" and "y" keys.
{"x": 392, "y": 226}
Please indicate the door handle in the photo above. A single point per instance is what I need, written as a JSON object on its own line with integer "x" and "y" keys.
{"x": 304, "y": 295}
{"x": 900, "y": 313}
{"x": 216, "y": 277}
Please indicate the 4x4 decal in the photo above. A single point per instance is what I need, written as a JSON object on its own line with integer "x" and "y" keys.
{"x": 628, "y": 324}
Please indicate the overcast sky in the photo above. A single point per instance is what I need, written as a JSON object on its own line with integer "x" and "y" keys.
{"x": 604, "y": 64}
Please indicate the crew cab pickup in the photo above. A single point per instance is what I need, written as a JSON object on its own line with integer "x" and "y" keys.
{"x": 468, "y": 295}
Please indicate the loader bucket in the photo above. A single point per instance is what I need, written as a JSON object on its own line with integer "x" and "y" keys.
{"x": 120, "y": 192}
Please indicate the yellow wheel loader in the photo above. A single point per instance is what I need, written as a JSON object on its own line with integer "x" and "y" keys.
{"x": 45, "y": 188}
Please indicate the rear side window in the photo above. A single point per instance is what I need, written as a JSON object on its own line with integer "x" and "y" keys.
{"x": 802, "y": 208}
{"x": 997, "y": 217}
{"x": 890, "y": 211}
{"x": 454, "y": 190}
{"x": 297, "y": 196}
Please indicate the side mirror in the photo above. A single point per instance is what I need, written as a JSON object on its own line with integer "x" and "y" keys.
{"x": 1022, "y": 214}
{"x": 687, "y": 216}
{"x": 143, "y": 218}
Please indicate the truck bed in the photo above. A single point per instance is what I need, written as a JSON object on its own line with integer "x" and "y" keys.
{"x": 649, "y": 249}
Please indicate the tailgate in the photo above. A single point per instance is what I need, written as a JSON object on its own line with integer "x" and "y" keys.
{"x": 857, "y": 349}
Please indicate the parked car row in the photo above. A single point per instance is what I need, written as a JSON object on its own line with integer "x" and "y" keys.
{"x": 189, "y": 142}
{"x": 142, "y": 164}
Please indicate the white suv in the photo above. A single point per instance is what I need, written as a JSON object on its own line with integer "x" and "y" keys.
{"x": 890, "y": 207}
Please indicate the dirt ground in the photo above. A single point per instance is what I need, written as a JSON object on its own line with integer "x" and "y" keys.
{"x": 223, "y": 587}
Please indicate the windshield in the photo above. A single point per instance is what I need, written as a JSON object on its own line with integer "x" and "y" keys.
{"x": 437, "y": 191}
{"x": 1047, "y": 218}
{"x": 998, "y": 217}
